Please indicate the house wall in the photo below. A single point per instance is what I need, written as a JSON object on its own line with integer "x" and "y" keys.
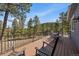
{"x": 75, "y": 34}
{"x": 75, "y": 28}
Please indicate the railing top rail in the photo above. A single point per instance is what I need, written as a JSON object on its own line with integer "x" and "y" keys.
{"x": 48, "y": 44}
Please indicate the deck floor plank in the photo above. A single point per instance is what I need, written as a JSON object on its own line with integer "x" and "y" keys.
{"x": 66, "y": 47}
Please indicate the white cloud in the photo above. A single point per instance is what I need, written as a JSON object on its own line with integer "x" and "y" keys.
{"x": 44, "y": 13}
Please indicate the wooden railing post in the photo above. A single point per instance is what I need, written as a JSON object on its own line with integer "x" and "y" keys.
{"x": 23, "y": 52}
{"x": 43, "y": 44}
{"x": 13, "y": 49}
{"x": 36, "y": 50}
{"x": 57, "y": 38}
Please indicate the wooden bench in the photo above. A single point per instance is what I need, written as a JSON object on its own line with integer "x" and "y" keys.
{"x": 46, "y": 49}
{"x": 39, "y": 52}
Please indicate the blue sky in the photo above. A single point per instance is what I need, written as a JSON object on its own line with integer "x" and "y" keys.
{"x": 47, "y": 12}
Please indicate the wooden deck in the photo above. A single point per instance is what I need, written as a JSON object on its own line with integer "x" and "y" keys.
{"x": 65, "y": 47}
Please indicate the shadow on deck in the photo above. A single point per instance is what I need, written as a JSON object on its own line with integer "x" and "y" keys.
{"x": 64, "y": 47}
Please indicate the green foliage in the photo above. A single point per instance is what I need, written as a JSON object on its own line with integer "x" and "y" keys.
{"x": 56, "y": 26}
{"x": 46, "y": 28}
{"x": 64, "y": 24}
{"x": 30, "y": 27}
{"x": 14, "y": 10}
{"x": 36, "y": 25}
{"x": 14, "y": 27}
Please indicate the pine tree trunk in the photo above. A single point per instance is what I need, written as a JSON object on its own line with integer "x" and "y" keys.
{"x": 4, "y": 26}
{"x": 4, "y": 23}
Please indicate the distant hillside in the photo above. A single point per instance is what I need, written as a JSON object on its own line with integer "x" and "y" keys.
{"x": 47, "y": 26}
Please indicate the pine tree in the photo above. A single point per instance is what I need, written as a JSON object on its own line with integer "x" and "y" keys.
{"x": 36, "y": 25}
{"x": 14, "y": 27}
{"x": 30, "y": 25}
{"x": 12, "y": 9}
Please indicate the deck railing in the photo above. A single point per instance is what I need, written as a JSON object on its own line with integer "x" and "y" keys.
{"x": 55, "y": 41}
{"x": 55, "y": 44}
{"x": 45, "y": 43}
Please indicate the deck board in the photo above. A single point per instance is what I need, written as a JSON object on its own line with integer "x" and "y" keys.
{"x": 65, "y": 47}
